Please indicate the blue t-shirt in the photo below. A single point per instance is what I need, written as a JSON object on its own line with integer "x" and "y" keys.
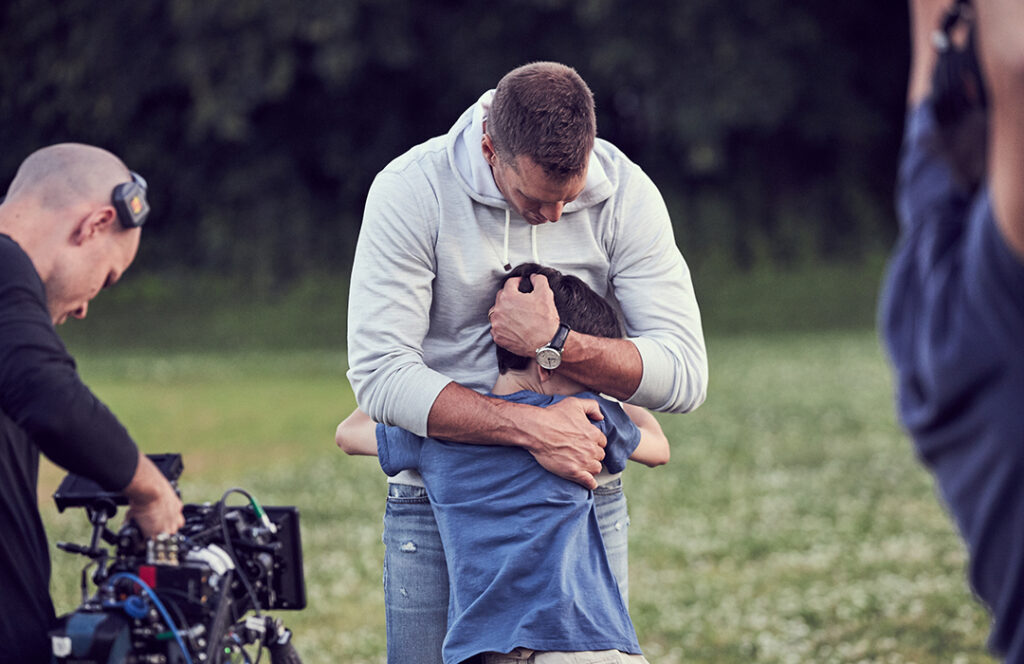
{"x": 952, "y": 314}
{"x": 526, "y": 562}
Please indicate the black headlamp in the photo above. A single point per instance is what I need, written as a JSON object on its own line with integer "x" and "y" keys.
{"x": 130, "y": 201}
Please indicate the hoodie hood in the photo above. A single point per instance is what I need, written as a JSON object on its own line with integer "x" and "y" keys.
{"x": 474, "y": 173}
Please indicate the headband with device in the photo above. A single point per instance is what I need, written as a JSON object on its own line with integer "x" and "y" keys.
{"x": 129, "y": 200}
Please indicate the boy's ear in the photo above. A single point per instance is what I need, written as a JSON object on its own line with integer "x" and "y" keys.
{"x": 99, "y": 221}
{"x": 544, "y": 375}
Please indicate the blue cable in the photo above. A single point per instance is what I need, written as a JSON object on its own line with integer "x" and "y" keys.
{"x": 159, "y": 606}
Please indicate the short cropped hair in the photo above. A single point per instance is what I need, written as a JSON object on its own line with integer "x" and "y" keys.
{"x": 544, "y": 111}
{"x": 578, "y": 306}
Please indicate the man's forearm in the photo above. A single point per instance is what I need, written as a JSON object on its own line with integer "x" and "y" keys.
{"x": 152, "y": 502}
{"x": 663, "y": 367}
{"x": 561, "y": 437}
{"x": 459, "y": 414}
{"x": 610, "y": 366}
{"x": 924, "y": 19}
{"x": 1002, "y": 56}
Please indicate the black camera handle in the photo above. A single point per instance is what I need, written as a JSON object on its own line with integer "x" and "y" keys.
{"x": 100, "y": 511}
{"x": 278, "y": 641}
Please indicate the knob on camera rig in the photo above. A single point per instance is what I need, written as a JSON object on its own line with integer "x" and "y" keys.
{"x": 189, "y": 598}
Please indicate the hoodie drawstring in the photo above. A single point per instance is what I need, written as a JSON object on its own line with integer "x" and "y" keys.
{"x": 533, "y": 240}
{"x": 508, "y": 218}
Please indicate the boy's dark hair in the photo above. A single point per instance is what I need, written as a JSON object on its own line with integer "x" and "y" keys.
{"x": 578, "y": 306}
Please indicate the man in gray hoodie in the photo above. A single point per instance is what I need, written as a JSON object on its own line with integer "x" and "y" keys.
{"x": 442, "y": 225}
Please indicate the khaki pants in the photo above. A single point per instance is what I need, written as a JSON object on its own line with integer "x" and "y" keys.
{"x": 527, "y": 656}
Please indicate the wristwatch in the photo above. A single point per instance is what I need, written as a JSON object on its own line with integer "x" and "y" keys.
{"x": 550, "y": 356}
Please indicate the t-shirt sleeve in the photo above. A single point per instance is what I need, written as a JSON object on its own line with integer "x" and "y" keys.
{"x": 994, "y": 275}
{"x": 397, "y": 449}
{"x": 927, "y": 191}
{"x": 922, "y": 289}
{"x": 623, "y": 436}
{"x": 41, "y": 392}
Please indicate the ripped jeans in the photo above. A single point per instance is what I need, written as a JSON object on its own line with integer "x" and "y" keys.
{"x": 416, "y": 576}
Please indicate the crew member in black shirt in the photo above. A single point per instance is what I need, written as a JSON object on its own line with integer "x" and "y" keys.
{"x": 69, "y": 227}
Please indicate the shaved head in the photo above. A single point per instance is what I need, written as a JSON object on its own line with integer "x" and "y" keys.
{"x": 60, "y": 210}
{"x": 68, "y": 174}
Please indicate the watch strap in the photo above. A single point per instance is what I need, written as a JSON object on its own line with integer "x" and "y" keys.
{"x": 558, "y": 341}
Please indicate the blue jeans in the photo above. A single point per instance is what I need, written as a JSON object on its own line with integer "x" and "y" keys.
{"x": 416, "y": 577}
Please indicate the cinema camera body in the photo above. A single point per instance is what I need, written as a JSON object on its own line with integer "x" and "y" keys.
{"x": 194, "y": 597}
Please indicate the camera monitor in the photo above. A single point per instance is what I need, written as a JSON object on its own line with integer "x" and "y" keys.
{"x": 77, "y": 491}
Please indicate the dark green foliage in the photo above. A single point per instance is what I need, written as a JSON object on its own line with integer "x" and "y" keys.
{"x": 771, "y": 127}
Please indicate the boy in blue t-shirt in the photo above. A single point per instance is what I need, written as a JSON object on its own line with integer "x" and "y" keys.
{"x": 529, "y": 576}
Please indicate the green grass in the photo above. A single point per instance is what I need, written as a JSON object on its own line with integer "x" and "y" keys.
{"x": 793, "y": 523}
{"x": 181, "y": 313}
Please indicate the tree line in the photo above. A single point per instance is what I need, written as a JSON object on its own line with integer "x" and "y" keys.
{"x": 771, "y": 128}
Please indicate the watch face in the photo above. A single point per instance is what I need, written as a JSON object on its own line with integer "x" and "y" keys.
{"x": 549, "y": 358}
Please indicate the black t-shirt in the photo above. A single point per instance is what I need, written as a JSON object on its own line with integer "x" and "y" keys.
{"x": 44, "y": 406}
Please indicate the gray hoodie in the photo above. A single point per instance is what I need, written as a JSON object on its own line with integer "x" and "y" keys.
{"x": 435, "y": 238}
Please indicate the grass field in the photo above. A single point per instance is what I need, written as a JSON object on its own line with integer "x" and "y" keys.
{"x": 792, "y": 525}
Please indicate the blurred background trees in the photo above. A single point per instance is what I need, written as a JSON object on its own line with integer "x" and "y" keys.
{"x": 771, "y": 127}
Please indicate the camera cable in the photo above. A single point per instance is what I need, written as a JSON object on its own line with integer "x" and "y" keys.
{"x": 160, "y": 607}
{"x": 222, "y": 509}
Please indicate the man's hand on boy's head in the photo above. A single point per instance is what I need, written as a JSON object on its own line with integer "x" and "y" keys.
{"x": 523, "y": 322}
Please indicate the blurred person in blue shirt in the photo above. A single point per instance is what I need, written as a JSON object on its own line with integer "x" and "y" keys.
{"x": 952, "y": 309}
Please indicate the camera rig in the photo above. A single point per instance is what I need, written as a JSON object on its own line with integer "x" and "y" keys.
{"x": 194, "y": 597}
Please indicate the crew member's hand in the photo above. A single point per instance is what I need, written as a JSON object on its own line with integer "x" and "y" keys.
{"x": 523, "y": 322}
{"x": 152, "y": 502}
{"x": 566, "y": 442}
